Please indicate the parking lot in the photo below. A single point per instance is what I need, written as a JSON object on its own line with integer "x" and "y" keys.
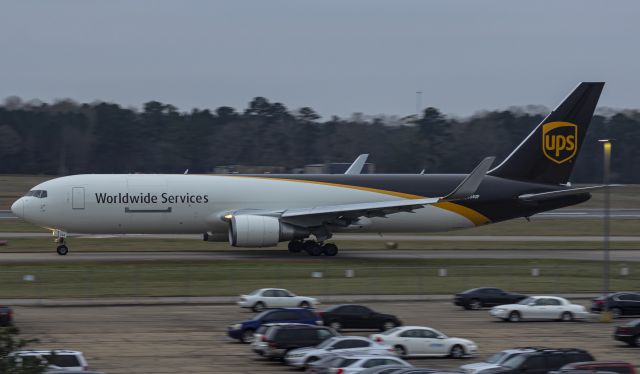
{"x": 192, "y": 339}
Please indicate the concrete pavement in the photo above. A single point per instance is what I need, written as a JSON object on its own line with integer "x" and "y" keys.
{"x": 232, "y": 254}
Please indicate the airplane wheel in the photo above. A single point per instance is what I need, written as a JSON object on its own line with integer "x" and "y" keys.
{"x": 62, "y": 250}
{"x": 330, "y": 249}
{"x": 295, "y": 246}
{"x": 312, "y": 248}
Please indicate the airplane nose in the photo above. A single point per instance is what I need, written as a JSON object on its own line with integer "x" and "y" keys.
{"x": 18, "y": 208}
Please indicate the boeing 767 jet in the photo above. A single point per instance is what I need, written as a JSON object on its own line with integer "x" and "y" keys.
{"x": 305, "y": 210}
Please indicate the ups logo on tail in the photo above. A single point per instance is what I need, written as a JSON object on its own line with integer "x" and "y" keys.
{"x": 559, "y": 141}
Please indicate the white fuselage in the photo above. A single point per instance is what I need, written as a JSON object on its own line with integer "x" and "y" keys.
{"x": 167, "y": 203}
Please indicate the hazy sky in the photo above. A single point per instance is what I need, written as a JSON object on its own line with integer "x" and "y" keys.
{"x": 337, "y": 56}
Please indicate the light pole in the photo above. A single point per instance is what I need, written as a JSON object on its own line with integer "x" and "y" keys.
{"x": 606, "y": 147}
{"x": 418, "y": 103}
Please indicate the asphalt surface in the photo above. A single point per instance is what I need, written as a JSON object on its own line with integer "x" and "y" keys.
{"x": 192, "y": 338}
{"x": 7, "y": 214}
{"x": 580, "y": 213}
{"x": 233, "y": 254}
{"x": 589, "y": 213}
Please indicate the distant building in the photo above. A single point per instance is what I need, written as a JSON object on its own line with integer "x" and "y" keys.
{"x": 249, "y": 169}
{"x": 328, "y": 168}
{"x": 336, "y": 168}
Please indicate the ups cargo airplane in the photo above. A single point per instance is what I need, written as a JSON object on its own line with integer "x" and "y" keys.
{"x": 305, "y": 210}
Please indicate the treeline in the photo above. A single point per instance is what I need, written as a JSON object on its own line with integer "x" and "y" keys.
{"x": 70, "y": 138}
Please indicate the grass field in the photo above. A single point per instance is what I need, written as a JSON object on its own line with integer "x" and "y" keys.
{"x": 224, "y": 278}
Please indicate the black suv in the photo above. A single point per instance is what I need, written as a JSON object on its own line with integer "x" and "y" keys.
{"x": 350, "y": 316}
{"x": 281, "y": 339}
{"x": 543, "y": 360}
{"x": 620, "y": 304}
{"x": 629, "y": 333}
{"x": 477, "y": 298}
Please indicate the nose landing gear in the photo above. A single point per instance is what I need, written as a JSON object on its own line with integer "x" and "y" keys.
{"x": 62, "y": 249}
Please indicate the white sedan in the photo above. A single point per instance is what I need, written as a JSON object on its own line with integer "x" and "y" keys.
{"x": 538, "y": 308}
{"x": 301, "y": 357}
{"x": 263, "y": 298}
{"x": 425, "y": 341}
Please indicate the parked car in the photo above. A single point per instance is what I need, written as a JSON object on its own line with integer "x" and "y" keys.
{"x": 579, "y": 371}
{"x": 58, "y": 359}
{"x": 619, "y": 303}
{"x": 619, "y": 367}
{"x": 543, "y": 360}
{"x": 6, "y": 316}
{"x": 282, "y": 339}
{"x": 351, "y": 364}
{"x": 244, "y": 330}
{"x": 259, "y": 345}
{"x": 349, "y": 316}
{"x": 540, "y": 308}
{"x": 301, "y": 357}
{"x": 477, "y": 298}
{"x": 395, "y": 369}
{"x": 410, "y": 341}
{"x": 495, "y": 360}
{"x": 424, "y": 371}
{"x": 629, "y": 333}
{"x": 264, "y": 298}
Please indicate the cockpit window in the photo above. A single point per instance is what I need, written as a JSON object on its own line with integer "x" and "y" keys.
{"x": 37, "y": 193}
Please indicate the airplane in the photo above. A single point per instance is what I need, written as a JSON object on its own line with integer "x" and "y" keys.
{"x": 307, "y": 209}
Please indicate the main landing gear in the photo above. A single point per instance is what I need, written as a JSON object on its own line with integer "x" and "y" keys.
{"x": 313, "y": 248}
{"x": 62, "y": 249}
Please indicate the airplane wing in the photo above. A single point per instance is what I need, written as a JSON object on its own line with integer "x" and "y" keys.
{"x": 554, "y": 194}
{"x": 375, "y": 209}
{"x": 344, "y": 213}
{"x": 358, "y": 164}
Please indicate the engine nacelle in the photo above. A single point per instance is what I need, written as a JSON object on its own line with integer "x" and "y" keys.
{"x": 247, "y": 230}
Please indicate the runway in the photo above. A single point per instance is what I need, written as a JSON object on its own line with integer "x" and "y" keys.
{"x": 589, "y": 213}
{"x": 367, "y": 237}
{"x": 52, "y": 257}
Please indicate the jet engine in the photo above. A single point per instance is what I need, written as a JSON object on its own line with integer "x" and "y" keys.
{"x": 248, "y": 230}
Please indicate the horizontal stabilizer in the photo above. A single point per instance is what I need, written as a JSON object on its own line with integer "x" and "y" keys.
{"x": 470, "y": 184}
{"x": 555, "y": 194}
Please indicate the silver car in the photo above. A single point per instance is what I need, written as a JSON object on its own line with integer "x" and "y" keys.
{"x": 352, "y": 363}
{"x": 301, "y": 357}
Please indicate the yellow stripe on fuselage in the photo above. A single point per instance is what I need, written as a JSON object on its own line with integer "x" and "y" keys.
{"x": 474, "y": 216}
